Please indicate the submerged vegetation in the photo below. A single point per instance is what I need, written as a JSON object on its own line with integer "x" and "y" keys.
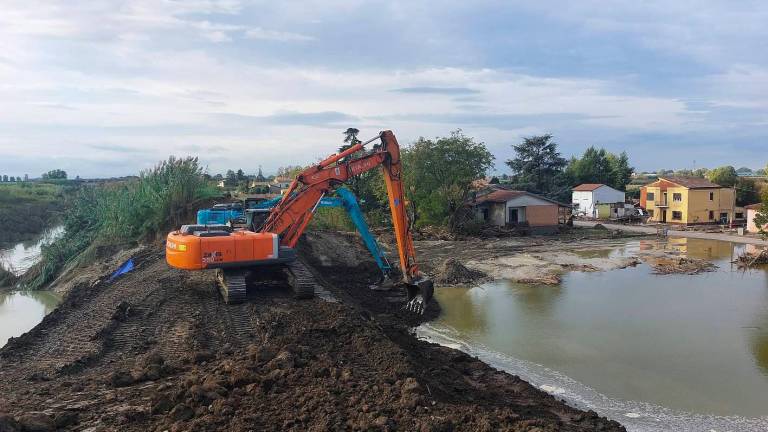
{"x": 123, "y": 212}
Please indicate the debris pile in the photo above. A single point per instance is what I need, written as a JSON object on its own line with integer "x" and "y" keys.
{"x": 748, "y": 260}
{"x": 680, "y": 265}
{"x": 452, "y": 272}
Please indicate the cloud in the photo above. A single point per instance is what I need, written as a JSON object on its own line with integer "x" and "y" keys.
{"x": 290, "y": 118}
{"x": 437, "y": 90}
{"x": 115, "y": 148}
{"x": 274, "y": 35}
{"x": 282, "y": 79}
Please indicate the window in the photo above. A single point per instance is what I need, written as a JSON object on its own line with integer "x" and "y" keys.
{"x": 677, "y": 215}
{"x": 651, "y": 196}
{"x": 724, "y": 217}
{"x": 711, "y": 197}
{"x": 739, "y": 215}
{"x": 677, "y": 197}
{"x": 711, "y": 215}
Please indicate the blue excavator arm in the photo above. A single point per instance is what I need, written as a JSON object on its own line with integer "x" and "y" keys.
{"x": 345, "y": 199}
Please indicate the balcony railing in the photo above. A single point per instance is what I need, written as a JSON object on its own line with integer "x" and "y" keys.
{"x": 662, "y": 203}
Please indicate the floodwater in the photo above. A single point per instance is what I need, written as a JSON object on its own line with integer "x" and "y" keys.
{"x": 655, "y": 352}
{"x": 21, "y": 256}
{"x": 22, "y": 310}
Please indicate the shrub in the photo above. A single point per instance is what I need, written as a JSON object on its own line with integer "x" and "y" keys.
{"x": 123, "y": 212}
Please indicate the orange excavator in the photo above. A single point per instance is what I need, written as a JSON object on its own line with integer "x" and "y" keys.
{"x": 240, "y": 254}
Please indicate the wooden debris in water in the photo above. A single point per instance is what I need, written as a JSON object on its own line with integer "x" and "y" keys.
{"x": 748, "y": 259}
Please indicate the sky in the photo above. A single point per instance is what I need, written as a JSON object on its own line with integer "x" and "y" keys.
{"x": 108, "y": 88}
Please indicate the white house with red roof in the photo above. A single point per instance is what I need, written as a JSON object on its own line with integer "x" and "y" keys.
{"x": 585, "y": 198}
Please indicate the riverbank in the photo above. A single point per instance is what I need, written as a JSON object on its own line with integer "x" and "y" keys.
{"x": 157, "y": 350}
{"x": 651, "y": 230}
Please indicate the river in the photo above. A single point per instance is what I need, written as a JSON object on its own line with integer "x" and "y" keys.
{"x": 655, "y": 352}
{"x": 21, "y": 256}
{"x": 22, "y": 310}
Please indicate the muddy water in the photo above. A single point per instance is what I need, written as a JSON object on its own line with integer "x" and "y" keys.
{"x": 21, "y": 256}
{"x": 20, "y": 311}
{"x": 673, "y": 352}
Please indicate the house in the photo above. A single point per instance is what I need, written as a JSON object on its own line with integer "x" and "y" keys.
{"x": 503, "y": 207}
{"x": 752, "y": 210}
{"x": 586, "y": 197}
{"x": 688, "y": 201}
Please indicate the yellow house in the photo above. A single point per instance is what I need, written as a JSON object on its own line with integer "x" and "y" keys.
{"x": 688, "y": 201}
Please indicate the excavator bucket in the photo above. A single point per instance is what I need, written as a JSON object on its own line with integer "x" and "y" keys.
{"x": 419, "y": 294}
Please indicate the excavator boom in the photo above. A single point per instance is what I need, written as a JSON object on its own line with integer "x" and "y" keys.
{"x": 278, "y": 236}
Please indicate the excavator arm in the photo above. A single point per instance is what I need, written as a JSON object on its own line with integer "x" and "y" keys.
{"x": 293, "y": 213}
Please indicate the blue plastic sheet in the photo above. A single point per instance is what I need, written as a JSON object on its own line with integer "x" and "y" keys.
{"x": 123, "y": 269}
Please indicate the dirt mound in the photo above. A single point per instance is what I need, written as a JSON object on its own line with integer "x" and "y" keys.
{"x": 599, "y": 226}
{"x": 157, "y": 350}
{"x": 680, "y": 265}
{"x": 452, "y": 272}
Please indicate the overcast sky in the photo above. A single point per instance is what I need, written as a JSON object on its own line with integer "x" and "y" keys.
{"x": 106, "y": 88}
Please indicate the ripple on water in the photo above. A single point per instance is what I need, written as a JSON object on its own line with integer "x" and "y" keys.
{"x": 635, "y": 416}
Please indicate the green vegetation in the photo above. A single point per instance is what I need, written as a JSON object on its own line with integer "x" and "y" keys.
{"x": 56, "y": 174}
{"x": 331, "y": 218}
{"x": 538, "y": 166}
{"x": 761, "y": 218}
{"x": 438, "y": 174}
{"x": 27, "y": 209}
{"x": 725, "y": 176}
{"x": 600, "y": 166}
{"x": 123, "y": 212}
{"x": 7, "y": 278}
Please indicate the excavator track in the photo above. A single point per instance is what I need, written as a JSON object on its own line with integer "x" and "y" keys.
{"x": 301, "y": 279}
{"x": 232, "y": 285}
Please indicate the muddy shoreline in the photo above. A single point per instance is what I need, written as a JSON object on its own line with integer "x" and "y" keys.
{"x": 157, "y": 350}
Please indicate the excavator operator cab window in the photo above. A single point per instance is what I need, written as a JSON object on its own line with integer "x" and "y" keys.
{"x": 255, "y": 218}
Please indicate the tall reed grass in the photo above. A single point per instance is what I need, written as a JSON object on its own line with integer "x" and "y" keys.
{"x": 123, "y": 212}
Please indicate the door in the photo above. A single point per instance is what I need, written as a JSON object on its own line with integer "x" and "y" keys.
{"x": 663, "y": 215}
{"x": 513, "y": 216}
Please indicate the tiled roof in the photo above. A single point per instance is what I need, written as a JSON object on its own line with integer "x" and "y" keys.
{"x": 499, "y": 196}
{"x": 504, "y": 195}
{"x": 587, "y": 187}
{"x": 753, "y": 206}
{"x": 692, "y": 182}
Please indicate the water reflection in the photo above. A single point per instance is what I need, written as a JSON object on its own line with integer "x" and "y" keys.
{"x": 21, "y": 256}
{"x": 467, "y": 305}
{"x": 758, "y": 336}
{"x": 20, "y": 311}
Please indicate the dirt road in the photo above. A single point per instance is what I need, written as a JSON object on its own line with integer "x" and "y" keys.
{"x": 157, "y": 350}
{"x": 643, "y": 229}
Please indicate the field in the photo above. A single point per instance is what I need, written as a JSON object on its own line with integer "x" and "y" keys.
{"x": 27, "y": 209}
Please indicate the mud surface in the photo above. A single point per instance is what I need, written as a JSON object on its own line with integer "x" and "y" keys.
{"x": 538, "y": 259}
{"x": 157, "y": 350}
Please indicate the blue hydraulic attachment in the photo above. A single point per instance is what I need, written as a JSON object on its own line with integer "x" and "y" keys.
{"x": 345, "y": 199}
